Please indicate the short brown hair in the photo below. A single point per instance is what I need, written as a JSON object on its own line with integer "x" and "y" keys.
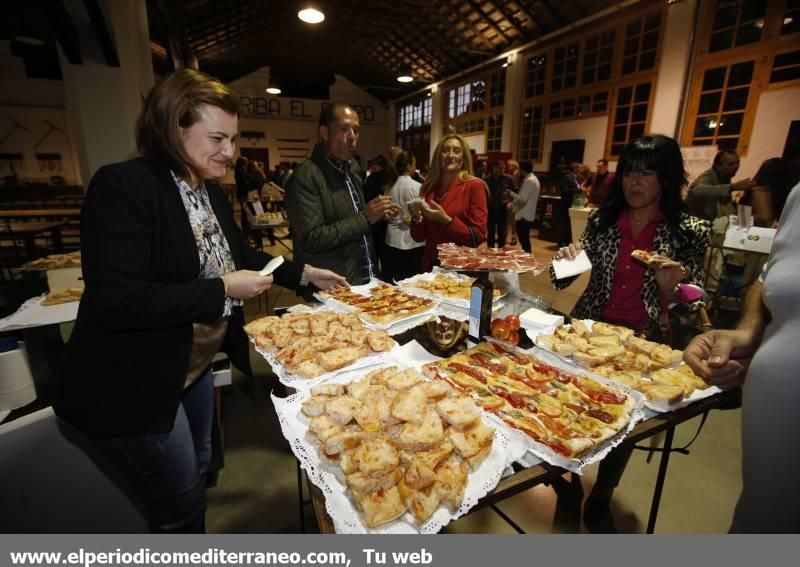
{"x": 327, "y": 114}
{"x": 174, "y": 104}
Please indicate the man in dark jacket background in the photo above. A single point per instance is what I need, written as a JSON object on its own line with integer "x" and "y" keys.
{"x": 328, "y": 214}
{"x": 499, "y": 185}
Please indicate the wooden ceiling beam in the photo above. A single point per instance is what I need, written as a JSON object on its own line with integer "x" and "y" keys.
{"x": 510, "y": 18}
{"x": 478, "y": 35}
{"x": 521, "y": 4}
{"x": 435, "y": 35}
{"x": 559, "y": 19}
{"x": 423, "y": 49}
{"x": 485, "y": 17}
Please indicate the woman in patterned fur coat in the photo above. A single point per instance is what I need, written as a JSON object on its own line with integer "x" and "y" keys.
{"x": 644, "y": 212}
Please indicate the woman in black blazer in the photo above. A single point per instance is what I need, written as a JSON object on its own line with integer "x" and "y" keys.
{"x": 166, "y": 270}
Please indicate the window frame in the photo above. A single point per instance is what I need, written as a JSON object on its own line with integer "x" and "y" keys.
{"x": 631, "y": 82}
{"x": 489, "y": 74}
{"x": 762, "y": 52}
{"x": 617, "y": 23}
{"x": 540, "y": 148}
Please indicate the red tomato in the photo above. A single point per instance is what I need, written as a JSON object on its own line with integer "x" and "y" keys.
{"x": 513, "y": 338}
{"x": 493, "y": 327}
{"x": 513, "y": 322}
{"x": 501, "y": 331}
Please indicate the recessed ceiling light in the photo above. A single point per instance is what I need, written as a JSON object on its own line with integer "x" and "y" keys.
{"x": 311, "y": 16}
{"x": 273, "y": 90}
{"x": 405, "y": 78}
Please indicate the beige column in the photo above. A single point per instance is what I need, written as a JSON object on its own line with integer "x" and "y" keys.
{"x": 391, "y": 134}
{"x": 512, "y": 106}
{"x": 102, "y": 102}
{"x": 438, "y": 118}
{"x": 673, "y": 67}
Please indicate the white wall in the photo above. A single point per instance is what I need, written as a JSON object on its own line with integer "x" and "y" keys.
{"x": 25, "y": 141}
{"x": 30, "y": 102}
{"x": 285, "y": 117}
{"x": 593, "y": 130}
{"x": 476, "y": 142}
{"x": 776, "y": 110}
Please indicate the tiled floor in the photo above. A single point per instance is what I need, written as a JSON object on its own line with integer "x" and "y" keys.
{"x": 259, "y": 476}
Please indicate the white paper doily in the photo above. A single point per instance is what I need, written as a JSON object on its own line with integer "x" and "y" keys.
{"x": 408, "y": 285}
{"x": 547, "y": 454}
{"x": 658, "y": 406}
{"x": 330, "y": 480}
{"x": 393, "y": 328}
{"x": 299, "y": 383}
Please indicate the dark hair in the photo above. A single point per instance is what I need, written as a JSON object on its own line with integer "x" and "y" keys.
{"x": 399, "y": 167}
{"x": 780, "y": 176}
{"x": 173, "y": 104}
{"x": 721, "y": 154}
{"x": 661, "y": 154}
{"x": 526, "y": 165}
{"x": 379, "y": 160}
{"x": 241, "y": 163}
{"x": 327, "y": 115}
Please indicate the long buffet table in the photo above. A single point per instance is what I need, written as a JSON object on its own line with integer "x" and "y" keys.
{"x": 525, "y": 478}
{"x": 539, "y": 472}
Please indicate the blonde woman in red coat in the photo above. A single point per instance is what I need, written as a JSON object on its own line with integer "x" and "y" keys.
{"x": 453, "y": 205}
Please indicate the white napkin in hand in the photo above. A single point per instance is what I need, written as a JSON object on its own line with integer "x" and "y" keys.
{"x": 567, "y": 268}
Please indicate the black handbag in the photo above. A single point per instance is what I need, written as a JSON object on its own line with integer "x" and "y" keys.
{"x": 474, "y": 236}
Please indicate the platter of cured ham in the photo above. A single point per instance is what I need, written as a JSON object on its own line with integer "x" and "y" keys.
{"x": 507, "y": 259}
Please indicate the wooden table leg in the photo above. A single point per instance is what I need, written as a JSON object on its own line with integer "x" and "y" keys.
{"x": 58, "y": 243}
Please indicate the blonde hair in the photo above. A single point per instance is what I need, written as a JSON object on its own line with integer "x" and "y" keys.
{"x": 435, "y": 173}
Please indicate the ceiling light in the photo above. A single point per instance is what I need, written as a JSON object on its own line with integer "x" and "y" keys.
{"x": 405, "y": 78}
{"x": 311, "y": 16}
{"x": 429, "y": 94}
{"x": 273, "y": 87}
{"x": 787, "y": 20}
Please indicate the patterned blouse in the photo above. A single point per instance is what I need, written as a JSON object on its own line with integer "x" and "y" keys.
{"x": 686, "y": 245}
{"x": 212, "y": 246}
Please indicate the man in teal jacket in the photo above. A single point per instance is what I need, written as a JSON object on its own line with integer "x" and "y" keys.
{"x": 325, "y": 202}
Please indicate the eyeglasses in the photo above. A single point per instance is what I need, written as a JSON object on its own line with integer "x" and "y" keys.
{"x": 646, "y": 173}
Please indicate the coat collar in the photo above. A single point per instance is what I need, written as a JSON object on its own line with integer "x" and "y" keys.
{"x": 174, "y": 202}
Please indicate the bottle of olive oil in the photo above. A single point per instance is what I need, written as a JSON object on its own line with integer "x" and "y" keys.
{"x": 480, "y": 307}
